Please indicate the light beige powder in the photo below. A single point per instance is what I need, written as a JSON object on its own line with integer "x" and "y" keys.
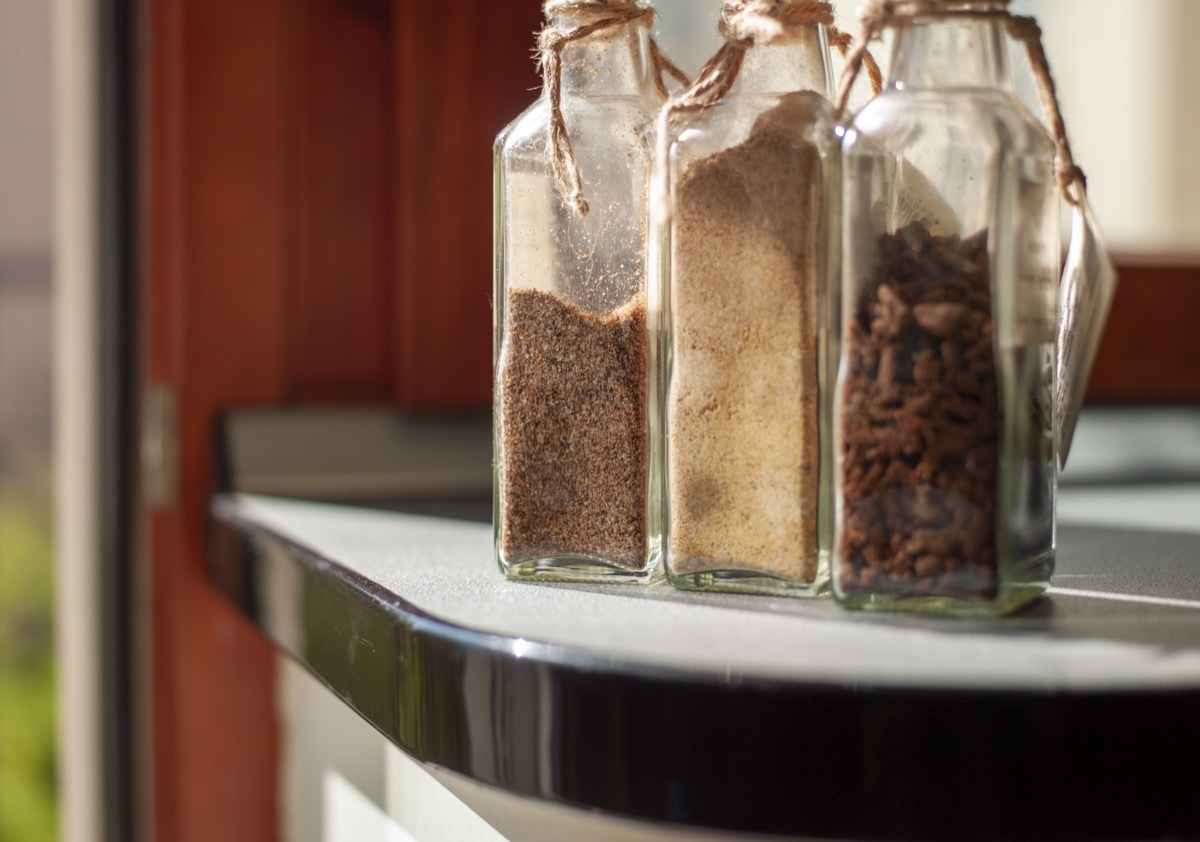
{"x": 742, "y": 424}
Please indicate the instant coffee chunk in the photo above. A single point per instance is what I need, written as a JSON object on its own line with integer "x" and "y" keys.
{"x": 920, "y": 422}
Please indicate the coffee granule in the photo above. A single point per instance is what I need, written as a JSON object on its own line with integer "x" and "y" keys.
{"x": 574, "y": 436}
{"x": 743, "y": 439}
{"x": 920, "y": 422}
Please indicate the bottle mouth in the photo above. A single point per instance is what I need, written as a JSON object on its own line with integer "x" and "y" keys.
{"x": 584, "y": 12}
{"x": 761, "y": 24}
{"x": 938, "y": 8}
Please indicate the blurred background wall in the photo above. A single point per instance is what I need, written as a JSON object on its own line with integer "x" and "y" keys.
{"x": 1128, "y": 76}
{"x": 28, "y": 769}
{"x": 25, "y": 225}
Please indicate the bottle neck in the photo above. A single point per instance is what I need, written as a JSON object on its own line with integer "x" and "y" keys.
{"x": 799, "y": 63}
{"x": 613, "y": 62}
{"x": 954, "y": 51}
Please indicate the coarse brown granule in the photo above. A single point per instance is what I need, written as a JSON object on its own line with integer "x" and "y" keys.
{"x": 742, "y": 425}
{"x": 920, "y": 422}
{"x": 574, "y": 438}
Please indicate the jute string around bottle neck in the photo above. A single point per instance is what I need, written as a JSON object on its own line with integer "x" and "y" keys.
{"x": 583, "y": 18}
{"x": 877, "y": 15}
{"x": 746, "y": 24}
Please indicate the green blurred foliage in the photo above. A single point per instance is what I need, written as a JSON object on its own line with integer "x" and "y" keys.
{"x": 28, "y": 775}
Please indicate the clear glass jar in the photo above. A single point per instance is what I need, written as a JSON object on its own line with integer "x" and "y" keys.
{"x": 571, "y": 339}
{"x": 944, "y": 424}
{"x": 738, "y": 271}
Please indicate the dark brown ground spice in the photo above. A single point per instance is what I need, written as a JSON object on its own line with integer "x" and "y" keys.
{"x": 573, "y": 443}
{"x": 920, "y": 422}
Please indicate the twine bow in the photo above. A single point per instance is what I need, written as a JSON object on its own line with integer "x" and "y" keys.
{"x": 877, "y": 15}
{"x": 745, "y": 24}
{"x": 587, "y": 17}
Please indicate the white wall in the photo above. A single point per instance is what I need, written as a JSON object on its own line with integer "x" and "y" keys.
{"x": 341, "y": 781}
{"x": 1128, "y": 96}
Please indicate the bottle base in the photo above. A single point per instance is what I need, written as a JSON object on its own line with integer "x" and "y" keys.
{"x": 749, "y": 582}
{"x": 1011, "y": 596}
{"x": 578, "y": 569}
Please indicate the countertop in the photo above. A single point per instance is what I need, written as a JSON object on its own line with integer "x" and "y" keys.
{"x": 1072, "y": 719}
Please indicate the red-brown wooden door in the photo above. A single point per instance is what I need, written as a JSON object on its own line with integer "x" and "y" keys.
{"x": 315, "y": 228}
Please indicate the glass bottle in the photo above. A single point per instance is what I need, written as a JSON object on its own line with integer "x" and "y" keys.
{"x": 737, "y": 271}
{"x": 944, "y": 418}
{"x": 571, "y": 341}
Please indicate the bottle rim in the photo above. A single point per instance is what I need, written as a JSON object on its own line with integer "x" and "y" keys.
{"x": 922, "y": 8}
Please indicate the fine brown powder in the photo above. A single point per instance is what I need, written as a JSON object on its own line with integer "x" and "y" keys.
{"x": 574, "y": 436}
{"x": 742, "y": 406}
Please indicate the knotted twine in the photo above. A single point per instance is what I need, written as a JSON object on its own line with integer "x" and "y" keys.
{"x": 585, "y": 18}
{"x": 877, "y": 15}
{"x": 745, "y": 24}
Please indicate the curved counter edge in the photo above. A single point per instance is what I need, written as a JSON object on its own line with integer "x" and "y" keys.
{"x": 777, "y": 757}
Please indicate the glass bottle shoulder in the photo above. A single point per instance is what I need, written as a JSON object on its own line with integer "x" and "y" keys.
{"x": 529, "y": 130}
{"x": 593, "y": 123}
{"x": 804, "y": 115}
{"x": 967, "y": 117}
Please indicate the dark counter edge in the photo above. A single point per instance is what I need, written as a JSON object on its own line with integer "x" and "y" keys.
{"x": 789, "y": 758}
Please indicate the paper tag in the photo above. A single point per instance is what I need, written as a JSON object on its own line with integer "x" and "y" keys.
{"x": 1037, "y": 264}
{"x": 918, "y": 200}
{"x": 1089, "y": 282}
